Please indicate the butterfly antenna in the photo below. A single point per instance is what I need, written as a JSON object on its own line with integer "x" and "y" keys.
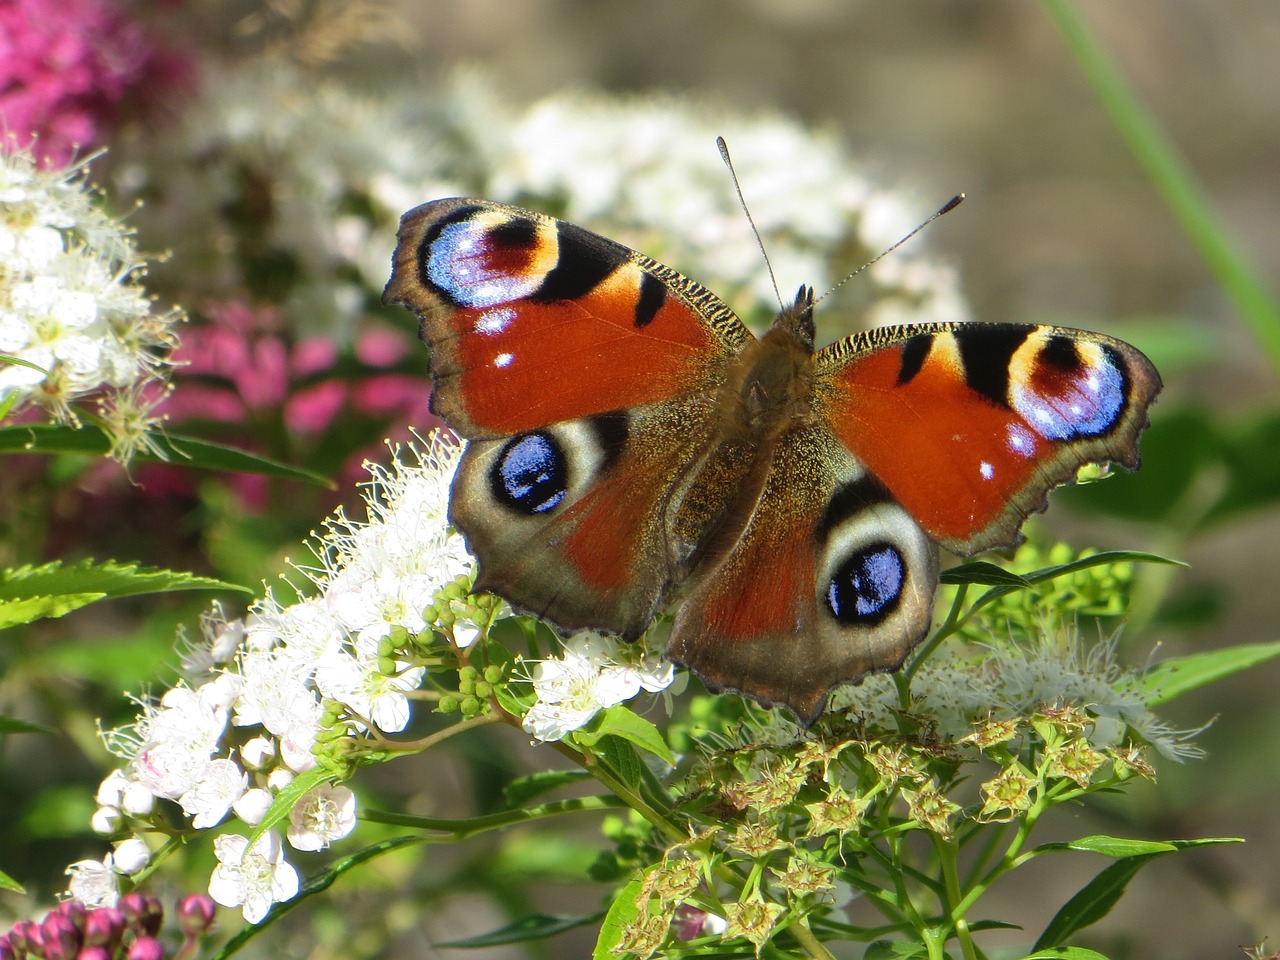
{"x": 945, "y": 208}
{"x": 742, "y": 201}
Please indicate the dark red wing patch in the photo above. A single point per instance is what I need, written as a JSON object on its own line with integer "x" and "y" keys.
{"x": 970, "y": 425}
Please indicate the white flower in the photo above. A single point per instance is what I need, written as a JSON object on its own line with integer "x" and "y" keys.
{"x": 70, "y": 302}
{"x": 357, "y": 681}
{"x": 93, "y": 882}
{"x": 252, "y": 878}
{"x": 258, "y": 753}
{"x": 325, "y": 814}
{"x": 276, "y": 691}
{"x": 137, "y": 800}
{"x": 220, "y": 638}
{"x": 105, "y": 821}
{"x": 595, "y": 672}
{"x": 176, "y": 742}
{"x": 220, "y": 784}
{"x": 112, "y": 788}
{"x": 130, "y": 855}
{"x": 253, "y": 805}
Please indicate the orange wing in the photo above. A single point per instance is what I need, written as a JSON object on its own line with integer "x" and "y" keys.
{"x": 970, "y": 425}
{"x": 533, "y": 321}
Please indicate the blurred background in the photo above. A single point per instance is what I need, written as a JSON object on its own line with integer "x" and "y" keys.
{"x": 924, "y": 99}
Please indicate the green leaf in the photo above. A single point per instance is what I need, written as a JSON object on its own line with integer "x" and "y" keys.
{"x": 1093, "y": 902}
{"x": 1119, "y": 847}
{"x": 89, "y": 440}
{"x": 1099, "y": 895}
{"x": 621, "y": 914}
{"x": 108, "y": 579}
{"x": 1115, "y": 847}
{"x": 1171, "y": 679}
{"x": 895, "y": 950}
{"x": 15, "y": 612}
{"x": 1065, "y": 953}
{"x": 14, "y": 725}
{"x": 537, "y": 926}
{"x": 985, "y": 573}
{"x": 620, "y": 721}
{"x": 8, "y": 883}
{"x": 285, "y": 800}
{"x": 621, "y": 757}
{"x": 520, "y": 791}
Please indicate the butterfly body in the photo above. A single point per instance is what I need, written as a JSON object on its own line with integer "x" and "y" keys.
{"x": 631, "y": 444}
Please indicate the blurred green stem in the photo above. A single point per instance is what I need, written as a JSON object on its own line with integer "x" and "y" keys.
{"x": 1172, "y": 178}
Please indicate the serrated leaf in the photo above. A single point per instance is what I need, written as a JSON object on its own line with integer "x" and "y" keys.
{"x": 30, "y": 609}
{"x": 285, "y": 800}
{"x": 621, "y": 914}
{"x": 619, "y": 721}
{"x": 14, "y": 725}
{"x": 984, "y": 573}
{"x": 89, "y": 440}
{"x": 520, "y": 791}
{"x": 537, "y": 926}
{"x": 1172, "y": 678}
{"x": 108, "y": 578}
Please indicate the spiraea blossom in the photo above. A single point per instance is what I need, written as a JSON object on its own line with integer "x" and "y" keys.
{"x": 594, "y": 672}
{"x": 73, "y": 312}
{"x": 340, "y": 167}
{"x": 259, "y": 695}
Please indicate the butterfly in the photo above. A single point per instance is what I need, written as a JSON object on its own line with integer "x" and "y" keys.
{"x": 631, "y": 444}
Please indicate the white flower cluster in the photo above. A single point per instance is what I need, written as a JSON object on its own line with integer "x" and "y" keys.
{"x": 244, "y": 724}
{"x": 71, "y": 308}
{"x": 341, "y": 167}
{"x": 595, "y": 672}
{"x": 1017, "y": 679}
{"x": 647, "y": 170}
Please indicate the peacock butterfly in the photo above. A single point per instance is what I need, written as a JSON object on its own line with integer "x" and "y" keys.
{"x": 630, "y": 443}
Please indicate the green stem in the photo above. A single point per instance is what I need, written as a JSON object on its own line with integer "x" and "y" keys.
{"x": 947, "y": 858}
{"x": 1172, "y": 178}
{"x": 806, "y": 938}
{"x": 461, "y": 829}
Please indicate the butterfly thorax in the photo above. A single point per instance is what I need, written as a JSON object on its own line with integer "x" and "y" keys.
{"x": 770, "y": 383}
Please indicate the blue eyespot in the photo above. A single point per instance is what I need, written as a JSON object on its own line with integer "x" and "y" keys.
{"x": 1086, "y": 400}
{"x": 530, "y": 474}
{"x": 867, "y": 585}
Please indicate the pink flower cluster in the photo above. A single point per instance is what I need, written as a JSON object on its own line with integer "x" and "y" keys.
{"x": 66, "y": 66}
{"x": 128, "y": 931}
{"x": 242, "y": 369}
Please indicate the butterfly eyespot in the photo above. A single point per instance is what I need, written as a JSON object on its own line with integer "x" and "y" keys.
{"x": 867, "y": 585}
{"x": 529, "y": 475}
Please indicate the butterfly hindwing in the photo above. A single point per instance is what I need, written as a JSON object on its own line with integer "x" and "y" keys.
{"x": 568, "y": 521}
{"x": 829, "y": 579}
{"x": 970, "y": 425}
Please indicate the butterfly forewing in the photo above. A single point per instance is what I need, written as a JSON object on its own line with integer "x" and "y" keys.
{"x": 533, "y": 321}
{"x": 970, "y": 425}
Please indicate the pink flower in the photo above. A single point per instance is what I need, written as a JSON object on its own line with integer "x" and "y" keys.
{"x": 65, "y": 68}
